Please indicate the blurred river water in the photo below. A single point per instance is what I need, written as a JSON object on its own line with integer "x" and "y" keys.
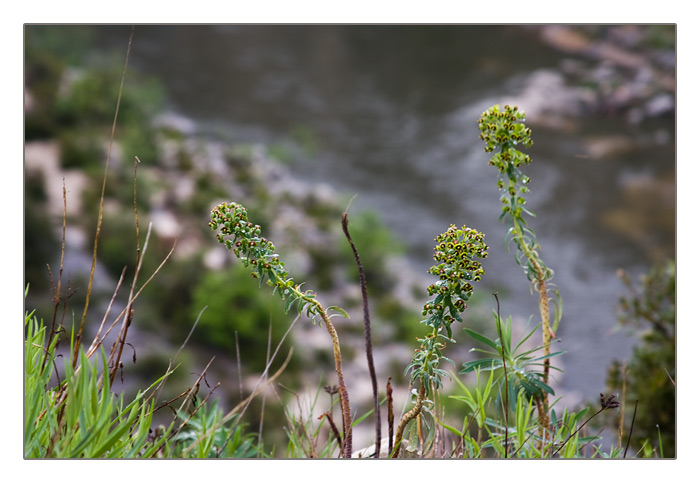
{"x": 389, "y": 113}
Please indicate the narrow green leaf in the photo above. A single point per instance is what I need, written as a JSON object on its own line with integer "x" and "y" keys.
{"x": 340, "y": 310}
{"x": 483, "y": 364}
{"x": 451, "y": 429}
{"x": 553, "y": 354}
{"x": 482, "y": 338}
{"x": 290, "y": 302}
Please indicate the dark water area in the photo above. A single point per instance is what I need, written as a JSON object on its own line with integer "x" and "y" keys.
{"x": 389, "y": 113}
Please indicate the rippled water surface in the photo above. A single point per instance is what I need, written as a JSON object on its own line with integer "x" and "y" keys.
{"x": 390, "y": 113}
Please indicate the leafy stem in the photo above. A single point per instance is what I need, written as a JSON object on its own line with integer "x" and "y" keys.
{"x": 256, "y": 252}
{"x": 456, "y": 253}
{"x": 503, "y": 131}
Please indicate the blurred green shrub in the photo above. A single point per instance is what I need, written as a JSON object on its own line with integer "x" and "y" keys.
{"x": 76, "y": 105}
{"x": 235, "y": 304}
{"x": 650, "y": 374}
{"x": 86, "y": 112}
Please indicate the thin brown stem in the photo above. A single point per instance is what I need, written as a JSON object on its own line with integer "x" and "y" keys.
{"x": 334, "y": 428}
{"x": 136, "y": 212}
{"x": 390, "y": 410}
{"x": 629, "y": 436}
{"x": 136, "y": 295}
{"x": 342, "y": 388}
{"x": 577, "y": 430}
{"x": 119, "y": 344}
{"x": 541, "y": 282}
{"x": 98, "y": 230}
{"x": 622, "y": 405}
{"x": 99, "y": 337}
{"x": 57, "y": 298}
{"x": 130, "y": 311}
{"x": 609, "y": 403}
{"x": 368, "y": 337}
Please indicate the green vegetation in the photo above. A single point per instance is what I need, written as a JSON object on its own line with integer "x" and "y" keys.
{"x": 504, "y": 131}
{"x": 258, "y": 253}
{"x": 456, "y": 252}
{"x": 648, "y": 381}
{"x": 80, "y": 418}
{"x": 248, "y": 309}
{"x": 230, "y": 295}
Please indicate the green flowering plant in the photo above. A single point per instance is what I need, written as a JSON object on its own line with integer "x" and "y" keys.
{"x": 256, "y": 252}
{"x": 502, "y": 131}
{"x": 456, "y": 253}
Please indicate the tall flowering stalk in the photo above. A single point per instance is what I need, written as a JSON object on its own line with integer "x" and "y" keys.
{"x": 245, "y": 239}
{"x": 457, "y": 267}
{"x": 502, "y": 131}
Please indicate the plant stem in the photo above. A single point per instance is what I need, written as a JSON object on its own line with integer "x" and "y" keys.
{"x": 579, "y": 429}
{"x": 543, "y": 297}
{"x": 629, "y": 436}
{"x": 368, "y": 338}
{"x": 79, "y": 333}
{"x": 252, "y": 249}
{"x": 541, "y": 281}
{"x": 57, "y": 290}
{"x": 390, "y": 410}
{"x": 505, "y": 370}
{"x": 342, "y": 388}
{"x": 412, "y": 414}
{"x": 609, "y": 403}
{"x": 334, "y": 429}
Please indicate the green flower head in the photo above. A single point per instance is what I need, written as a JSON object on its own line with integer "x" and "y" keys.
{"x": 504, "y": 128}
{"x": 502, "y": 132}
{"x": 245, "y": 239}
{"x": 456, "y": 253}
